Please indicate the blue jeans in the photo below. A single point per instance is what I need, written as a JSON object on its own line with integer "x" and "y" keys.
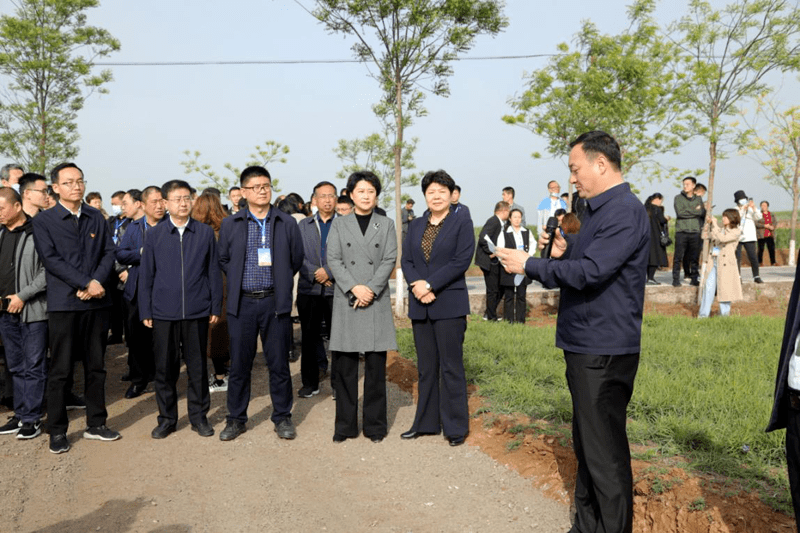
{"x": 709, "y": 290}
{"x": 26, "y": 348}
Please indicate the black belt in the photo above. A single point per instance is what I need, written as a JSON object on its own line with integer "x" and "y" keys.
{"x": 259, "y": 294}
{"x": 794, "y": 399}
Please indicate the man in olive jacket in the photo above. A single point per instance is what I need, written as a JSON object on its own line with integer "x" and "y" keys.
{"x": 690, "y": 213}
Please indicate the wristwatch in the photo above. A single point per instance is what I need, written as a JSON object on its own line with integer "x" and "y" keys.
{"x": 428, "y": 286}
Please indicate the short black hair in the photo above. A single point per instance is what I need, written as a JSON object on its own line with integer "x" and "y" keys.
{"x": 254, "y": 172}
{"x": 212, "y": 190}
{"x": 700, "y": 186}
{"x": 172, "y": 185}
{"x": 59, "y": 168}
{"x": 439, "y": 177}
{"x": 690, "y": 178}
{"x": 345, "y": 200}
{"x": 150, "y": 190}
{"x": 323, "y": 184}
{"x": 458, "y": 188}
{"x": 599, "y": 142}
{"x": 364, "y": 175}
{"x": 234, "y": 188}
{"x": 135, "y": 194}
{"x": 27, "y": 180}
{"x": 118, "y": 194}
{"x": 759, "y": 203}
{"x": 511, "y": 191}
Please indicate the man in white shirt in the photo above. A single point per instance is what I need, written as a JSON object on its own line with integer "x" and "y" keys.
{"x": 552, "y": 203}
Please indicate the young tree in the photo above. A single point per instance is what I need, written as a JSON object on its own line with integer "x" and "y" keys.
{"x": 778, "y": 151}
{"x": 728, "y": 52}
{"x": 47, "y": 53}
{"x": 409, "y": 45}
{"x": 375, "y": 152}
{"x": 626, "y": 84}
{"x": 271, "y": 152}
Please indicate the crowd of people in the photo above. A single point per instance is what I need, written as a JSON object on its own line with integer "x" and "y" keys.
{"x": 180, "y": 276}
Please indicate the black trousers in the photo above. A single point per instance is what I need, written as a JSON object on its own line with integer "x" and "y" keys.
{"x": 687, "y": 245}
{"x": 141, "y": 360}
{"x": 442, "y": 402}
{"x": 171, "y": 340}
{"x": 492, "y": 279}
{"x": 84, "y": 334}
{"x": 770, "y": 244}
{"x": 515, "y": 306}
{"x": 117, "y": 315}
{"x": 750, "y": 248}
{"x": 793, "y": 460}
{"x": 313, "y": 311}
{"x": 345, "y": 369}
{"x": 601, "y": 387}
{"x": 258, "y": 317}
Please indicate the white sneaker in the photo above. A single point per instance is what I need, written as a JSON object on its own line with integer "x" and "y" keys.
{"x": 218, "y": 385}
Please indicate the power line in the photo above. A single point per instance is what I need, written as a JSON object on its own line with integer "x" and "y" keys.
{"x": 286, "y": 61}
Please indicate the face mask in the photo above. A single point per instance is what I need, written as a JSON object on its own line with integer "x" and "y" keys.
{"x": 15, "y": 187}
{"x": 116, "y": 210}
{"x": 743, "y": 201}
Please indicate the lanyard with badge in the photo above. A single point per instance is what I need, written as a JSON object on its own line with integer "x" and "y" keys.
{"x": 264, "y": 253}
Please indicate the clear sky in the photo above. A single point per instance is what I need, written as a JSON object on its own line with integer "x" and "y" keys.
{"x": 135, "y": 135}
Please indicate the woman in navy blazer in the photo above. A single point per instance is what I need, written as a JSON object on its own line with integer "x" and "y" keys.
{"x": 436, "y": 253}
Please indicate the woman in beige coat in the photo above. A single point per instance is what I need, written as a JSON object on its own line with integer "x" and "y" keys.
{"x": 721, "y": 271}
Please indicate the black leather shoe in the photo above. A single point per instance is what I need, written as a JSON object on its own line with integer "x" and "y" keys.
{"x": 285, "y": 429}
{"x": 233, "y": 429}
{"x": 203, "y": 429}
{"x": 339, "y": 438}
{"x": 411, "y": 434}
{"x": 162, "y": 431}
{"x": 457, "y": 440}
{"x": 134, "y": 391}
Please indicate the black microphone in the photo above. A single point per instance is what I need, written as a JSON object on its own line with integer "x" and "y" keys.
{"x": 550, "y": 229}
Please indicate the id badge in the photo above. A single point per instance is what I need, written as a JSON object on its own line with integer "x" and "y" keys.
{"x": 264, "y": 257}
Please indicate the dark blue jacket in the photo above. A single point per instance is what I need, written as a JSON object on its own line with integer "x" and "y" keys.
{"x": 287, "y": 256}
{"x": 602, "y": 277}
{"x": 179, "y": 278}
{"x": 312, "y": 259}
{"x": 450, "y": 258}
{"x": 780, "y": 407}
{"x": 73, "y": 257}
{"x": 129, "y": 254}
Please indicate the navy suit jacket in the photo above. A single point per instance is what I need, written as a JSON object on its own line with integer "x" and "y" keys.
{"x": 287, "y": 256}
{"x": 450, "y": 258}
{"x": 73, "y": 257}
{"x": 129, "y": 253}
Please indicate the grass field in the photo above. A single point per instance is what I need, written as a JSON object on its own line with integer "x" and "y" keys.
{"x": 703, "y": 390}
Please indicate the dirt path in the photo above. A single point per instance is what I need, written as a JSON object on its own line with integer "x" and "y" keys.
{"x": 259, "y": 482}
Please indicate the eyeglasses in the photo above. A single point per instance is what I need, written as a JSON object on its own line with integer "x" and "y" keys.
{"x": 72, "y": 184}
{"x": 180, "y": 200}
{"x": 43, "y": 191}
{"x": 259, "y": 188}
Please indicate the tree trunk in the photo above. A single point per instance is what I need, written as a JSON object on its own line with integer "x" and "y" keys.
{"x": 399, "y": 290}
{"x": 712, "y": 168}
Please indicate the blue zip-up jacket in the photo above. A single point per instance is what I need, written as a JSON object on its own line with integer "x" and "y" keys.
{"x": 602, "y": 277}
{"x": 73, "y": 257}
{"x": 287, "y": 256}
{"x": 179, "y": 277}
